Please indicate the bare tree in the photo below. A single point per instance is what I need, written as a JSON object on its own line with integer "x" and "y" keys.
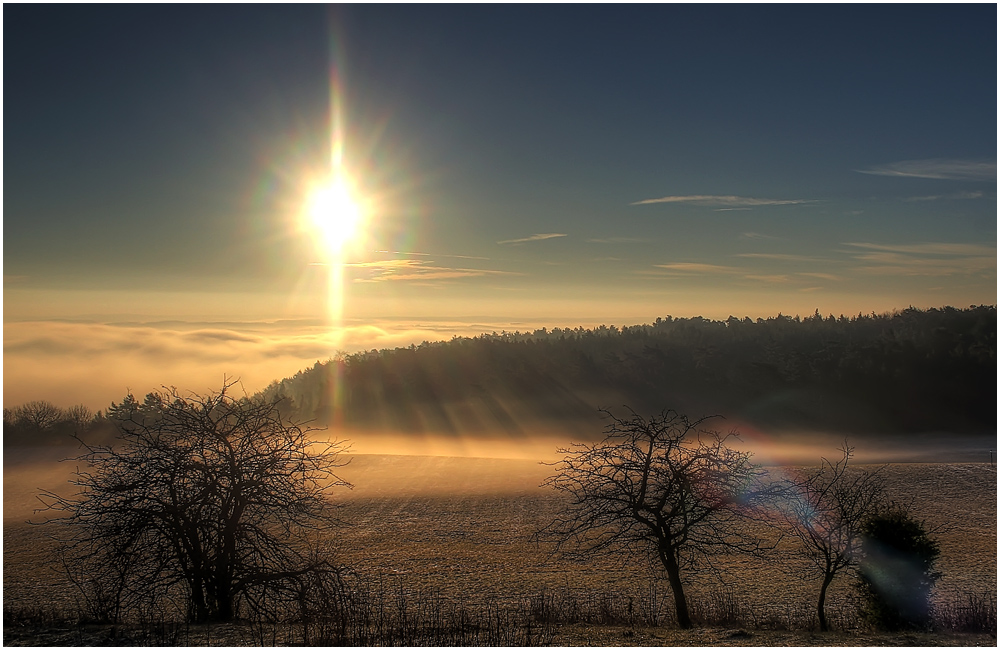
{"x": 826, "y": 509}
{"x": 215, "y": 494}
{"x": 37, "y": 415}
{"x": 79, "y": 416}
{"x": 661, "y": 486}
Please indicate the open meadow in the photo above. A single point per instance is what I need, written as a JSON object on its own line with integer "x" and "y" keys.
{"x": 455, "y": 534}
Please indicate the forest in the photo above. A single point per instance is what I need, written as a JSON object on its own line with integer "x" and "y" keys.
{"x": 908, "y": 371}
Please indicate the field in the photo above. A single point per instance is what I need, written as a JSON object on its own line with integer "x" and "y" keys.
{"x": 457, "y": 532}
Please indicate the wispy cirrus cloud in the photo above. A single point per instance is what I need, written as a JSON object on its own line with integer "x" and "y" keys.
{"x": 780, "y": 278}
{"x": 461, "y": 257}
{"x": 698, "y": 267}
{"x": 724, "y": 201}
{"x": 896, "y": 264}
{"x": 618, "y": 240}
{"x": 821, "y": 276}
{"x": 782, "y": 257}
{"x": 929, "y": 248}
{"x": 735, "y": 273}
{"x": 758, "y": 269}
{"x": 417, "y": 270}
{"x": 537, "y": 237}
{"x": 926, "y": 259}
{"x": 957, "y": 196}
{"x": 940, "y": 168}
{"x": 757, "y": 235}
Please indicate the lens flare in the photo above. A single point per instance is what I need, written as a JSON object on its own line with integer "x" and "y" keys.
{"x": 335, "y": 213}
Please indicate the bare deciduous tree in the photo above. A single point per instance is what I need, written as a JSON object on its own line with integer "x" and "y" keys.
{"x": 211, "y": 493}
{"x": 79, "y": 416}
{"x": 662, "y": 486}
{"x": 37, "y": 415}
{"x": 826, "y": 509}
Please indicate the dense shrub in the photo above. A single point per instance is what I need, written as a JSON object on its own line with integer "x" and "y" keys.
{"x": 897, "y": 573}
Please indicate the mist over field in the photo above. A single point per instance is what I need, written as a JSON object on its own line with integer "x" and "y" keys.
{"x": 447, "y": 452}
{"x": 909, "y": 385}
{"x": 920, "y": 381}
{"x": 195, "y": 355}
{"x": 445, "y": 325}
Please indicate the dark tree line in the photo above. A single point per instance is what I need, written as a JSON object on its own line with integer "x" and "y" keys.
{"x": 40, "y": 423}
{"x": 906, "y": 371}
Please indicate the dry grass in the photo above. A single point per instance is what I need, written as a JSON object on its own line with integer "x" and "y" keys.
{"x": 460, "y": 530}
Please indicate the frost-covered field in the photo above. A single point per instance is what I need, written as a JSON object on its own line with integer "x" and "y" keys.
{"x": 460, "y": 530}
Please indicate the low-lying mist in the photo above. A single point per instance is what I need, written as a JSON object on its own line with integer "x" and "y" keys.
{"x": 770, "y": 449}
{"x": 387, "y": 463}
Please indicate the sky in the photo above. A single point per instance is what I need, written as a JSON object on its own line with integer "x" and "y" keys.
{"x": 514, "y": 167}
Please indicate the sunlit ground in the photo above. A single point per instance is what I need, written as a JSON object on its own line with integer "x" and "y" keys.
{"x": 542, "y": 444}
{"x": 464, "y": 526}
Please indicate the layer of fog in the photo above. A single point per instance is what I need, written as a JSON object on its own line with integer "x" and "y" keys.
{"x": 770, "y": 449}
{"x": 71, "y": 362}
{"x": 386, "y": 464}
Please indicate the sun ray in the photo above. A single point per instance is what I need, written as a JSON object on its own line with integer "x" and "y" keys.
{"x": 339, "y": 214}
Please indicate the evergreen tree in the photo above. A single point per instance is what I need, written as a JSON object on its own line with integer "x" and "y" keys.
{"x": 896, "y": 574}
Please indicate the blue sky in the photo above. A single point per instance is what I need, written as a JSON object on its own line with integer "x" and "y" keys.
{"x": 552, "y": 165}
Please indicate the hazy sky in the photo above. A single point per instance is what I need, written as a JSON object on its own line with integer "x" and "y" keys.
{"x": 519, "y": 166}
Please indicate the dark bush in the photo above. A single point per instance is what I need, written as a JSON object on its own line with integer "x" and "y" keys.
{"x": 896, "y": 574}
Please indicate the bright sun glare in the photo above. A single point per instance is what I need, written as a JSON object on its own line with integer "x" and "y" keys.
{"x": 336, "y": 214}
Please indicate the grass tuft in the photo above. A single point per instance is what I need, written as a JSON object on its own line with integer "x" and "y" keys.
{"x": 970, "y": 612}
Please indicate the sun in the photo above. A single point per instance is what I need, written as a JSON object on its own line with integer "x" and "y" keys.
{"x": 336, "y": 215}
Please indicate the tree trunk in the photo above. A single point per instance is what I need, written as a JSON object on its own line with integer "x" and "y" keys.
{"x": 821, "y": 608}
{"x": 674, "y": 576}
{"x": 223, "y": 598}
{"x": 199, "y": 613}
{"x": 226, "y": 610}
